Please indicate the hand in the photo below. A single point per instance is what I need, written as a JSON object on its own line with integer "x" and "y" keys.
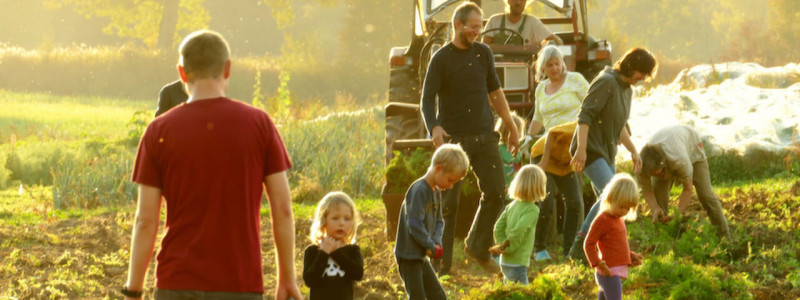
{"x": 439, "y": 251}
{"x": 288, "y": 290}
{"x": 636, "y": 258}
{"x": 637, "y": 162}
{"x": 525, "y": 147}
{"x": 660, "y": 216}
{"x": 579, "y": 160}
{"x": 525, "y": 144}
{"x": 604, "y": 270}
{"x": 513, "y": 140}
{"x": 497, "y": 249}
{"x": 437, "y": 135}
{"x": 329, "y": 244}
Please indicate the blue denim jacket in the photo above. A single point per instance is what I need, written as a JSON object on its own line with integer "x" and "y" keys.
{"x": 420, "y": 225}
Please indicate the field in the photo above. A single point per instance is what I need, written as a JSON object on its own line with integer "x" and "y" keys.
{"x": 66, "y": 212}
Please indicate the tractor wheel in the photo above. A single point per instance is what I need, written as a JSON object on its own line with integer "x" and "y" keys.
{"x": 403, "y": 87}
{"x": 400, "y": 127}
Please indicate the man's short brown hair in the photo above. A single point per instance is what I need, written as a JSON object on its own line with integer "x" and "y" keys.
{"x": 203, "y": 54}
{"x": 463, "y": 11}
{"x": 653, "y": 159}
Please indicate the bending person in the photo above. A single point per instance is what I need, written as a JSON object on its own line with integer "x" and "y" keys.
{"x": 601, "y": 127}
{"x": 675, "y": 153}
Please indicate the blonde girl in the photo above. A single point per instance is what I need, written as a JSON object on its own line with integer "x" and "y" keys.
{"x": 515, "y": 229}
{"x": 333, "y": 262}
{"x": 511, "y": 163}
{"x": 609, "y": 234}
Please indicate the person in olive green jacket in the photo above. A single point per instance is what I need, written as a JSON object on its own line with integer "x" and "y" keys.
{"x": 515, "y": 229}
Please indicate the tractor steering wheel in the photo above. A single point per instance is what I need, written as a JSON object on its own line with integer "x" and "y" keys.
{"x": 513, "y": 33}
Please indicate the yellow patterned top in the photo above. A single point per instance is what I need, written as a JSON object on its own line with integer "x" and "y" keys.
{"x": 562, "y": 106}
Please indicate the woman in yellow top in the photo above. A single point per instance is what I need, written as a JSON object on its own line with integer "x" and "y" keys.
{"x": 558, "y": 100}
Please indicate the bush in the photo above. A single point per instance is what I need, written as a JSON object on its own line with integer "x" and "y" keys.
{"x": 667, "y": 276}
{"x": 341, "y": 151}
{"x": 125, "y": 71}
{"x": 543, "y": 287}
{"x": 731, "y": 165}
{"x": 100, "y": 176}
{"x": 30, "y": 161}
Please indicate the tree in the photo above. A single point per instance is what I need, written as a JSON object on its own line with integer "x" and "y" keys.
{"x": 155, "y": 23}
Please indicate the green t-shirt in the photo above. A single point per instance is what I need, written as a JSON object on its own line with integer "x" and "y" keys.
{"x": 517, "y": 224}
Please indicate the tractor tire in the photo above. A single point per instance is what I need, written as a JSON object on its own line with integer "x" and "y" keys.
{"x": 403, "y": 86}
{"x": 400, "y": 127}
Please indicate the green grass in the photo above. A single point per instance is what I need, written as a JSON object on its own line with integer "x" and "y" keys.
{"x": 64, "y": 118}
{"x": 54, "y": 146}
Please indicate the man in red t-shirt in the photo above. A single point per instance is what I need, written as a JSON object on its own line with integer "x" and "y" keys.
{"x": 210, "y": 160}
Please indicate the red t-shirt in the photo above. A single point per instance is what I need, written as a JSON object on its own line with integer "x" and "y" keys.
{"x": 210, "y": 158}
{"x": 611, "y": 236}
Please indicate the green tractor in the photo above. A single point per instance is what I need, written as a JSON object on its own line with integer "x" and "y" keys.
{"x": 405, "y": 128}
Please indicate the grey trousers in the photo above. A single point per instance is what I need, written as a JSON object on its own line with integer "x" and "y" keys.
{"x": 705, "y": 193}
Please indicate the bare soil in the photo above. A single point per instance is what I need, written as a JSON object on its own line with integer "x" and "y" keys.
{"x": 71, "y": 244}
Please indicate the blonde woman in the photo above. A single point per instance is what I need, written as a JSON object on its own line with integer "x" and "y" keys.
{"x": 558, "y": 101}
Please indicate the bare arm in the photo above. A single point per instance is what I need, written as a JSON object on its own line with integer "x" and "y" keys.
{"x": 625, "y": 139}
{"x": 554, "y": 38}
{"x": 579, "y": 159}
{"x": 498, "y": 102}
{"x": 650, "y": 198}
{"x": 488, "y": 39}
{"x": 145, "y": 227}
{"x": 280, "y": 204}
{"x": 535, "y": 127}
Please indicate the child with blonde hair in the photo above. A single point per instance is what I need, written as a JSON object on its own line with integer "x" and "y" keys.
{"x": 420, "y": 225}
{"x": 515, "y": 229}
{"x": 609, "y": 234}
{"x": 511, "y": 163}
{"x": 333, "y": 262}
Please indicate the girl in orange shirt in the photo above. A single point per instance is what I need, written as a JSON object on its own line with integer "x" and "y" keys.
{"x": 609, "y": 234}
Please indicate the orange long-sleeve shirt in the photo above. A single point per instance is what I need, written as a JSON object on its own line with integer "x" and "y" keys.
{"x": 609, "y": 234}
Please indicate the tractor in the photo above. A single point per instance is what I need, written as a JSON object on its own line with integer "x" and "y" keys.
{"x": 431, "y": 29}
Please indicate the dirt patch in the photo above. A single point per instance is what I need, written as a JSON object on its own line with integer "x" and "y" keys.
{"x": 95, "y": 250}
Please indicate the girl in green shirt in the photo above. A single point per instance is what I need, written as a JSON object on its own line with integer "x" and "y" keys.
{"x": 515, "y": 229}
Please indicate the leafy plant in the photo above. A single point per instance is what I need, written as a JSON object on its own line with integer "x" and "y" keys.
{"x": 404, "y": 169}
{"x": 543, "y": 287}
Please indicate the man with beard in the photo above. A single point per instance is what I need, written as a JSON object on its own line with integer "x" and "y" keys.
{"x": 529, "y": 27}
{"x": 462, "y": 75}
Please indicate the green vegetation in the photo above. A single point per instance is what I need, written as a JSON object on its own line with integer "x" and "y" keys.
{"x": 66, "y": 212}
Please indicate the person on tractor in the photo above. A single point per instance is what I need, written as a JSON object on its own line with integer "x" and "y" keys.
{"x": 514, "y": 27}
{"x": 462, "y": 75}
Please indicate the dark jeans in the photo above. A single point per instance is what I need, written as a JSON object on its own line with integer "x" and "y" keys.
{"x": 162, "y": 294}
{"x": 570, "y": 189}
{"x": 609, "y": 288}
{"x": 419, "y": 279}
{"x": 450, "y": 200}
{"x": 484, "y": 157}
